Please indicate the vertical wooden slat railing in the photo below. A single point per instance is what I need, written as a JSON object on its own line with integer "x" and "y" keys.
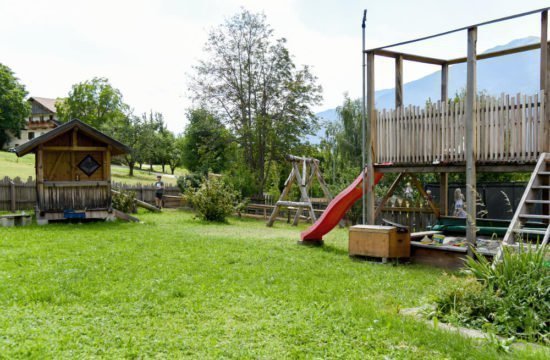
{"x": 509, "y": 129}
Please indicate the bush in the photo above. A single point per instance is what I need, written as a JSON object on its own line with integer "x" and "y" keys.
{"x": 213, "y": 200}
{"x": 510, "y": 299}
{"x": 189, "y": 182}
{"x": 125, "y": 201}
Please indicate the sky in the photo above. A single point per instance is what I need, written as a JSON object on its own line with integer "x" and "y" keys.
{"x": 147, "y": 48}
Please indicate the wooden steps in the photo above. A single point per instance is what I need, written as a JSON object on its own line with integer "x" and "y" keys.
{"x": 534, "y": 205}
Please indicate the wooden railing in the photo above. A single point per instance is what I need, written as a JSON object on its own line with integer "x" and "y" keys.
{"x": 509, "y": 129}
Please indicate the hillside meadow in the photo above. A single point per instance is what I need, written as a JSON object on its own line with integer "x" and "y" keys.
{"x": 12, "y": 166}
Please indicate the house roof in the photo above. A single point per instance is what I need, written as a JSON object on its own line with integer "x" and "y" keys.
{"x": 47, "y": 103}
{"x": 117, "y": 148}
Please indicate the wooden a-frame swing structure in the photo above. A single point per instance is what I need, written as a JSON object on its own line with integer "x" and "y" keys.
{"x": 304, "y": 179}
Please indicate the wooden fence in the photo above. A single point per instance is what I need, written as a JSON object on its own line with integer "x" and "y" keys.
{"x": 415, "y": 215}
{"x": 509, "y": 129}
{"x": 18, "y": 195}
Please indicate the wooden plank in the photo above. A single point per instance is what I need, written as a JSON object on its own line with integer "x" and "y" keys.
{"x": 470, "y": 124}
{"x": 140, "y": 203}
{"x": 123, "y": 216}
{"x": 75, "y": 148}
{"x": 89, "y": 183}
{"x": 13, "y": 196}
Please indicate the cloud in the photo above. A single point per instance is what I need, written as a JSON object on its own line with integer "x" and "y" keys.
{"x": 147, "y": 47}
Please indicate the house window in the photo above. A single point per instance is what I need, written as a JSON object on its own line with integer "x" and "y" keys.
{"x": 41, "y": 117}
{"x": 31, "y": 135}
{"x": 51, "y": 117}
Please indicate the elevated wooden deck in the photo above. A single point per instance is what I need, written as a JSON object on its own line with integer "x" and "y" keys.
{"x": 509, "y": 130}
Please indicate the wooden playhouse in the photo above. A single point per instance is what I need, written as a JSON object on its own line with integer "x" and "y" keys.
{"x": 73, "y": 172}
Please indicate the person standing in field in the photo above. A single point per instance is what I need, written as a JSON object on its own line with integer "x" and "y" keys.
{"x": 159, "y": 191}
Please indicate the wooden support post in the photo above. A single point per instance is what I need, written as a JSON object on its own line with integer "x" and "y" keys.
{"x": 471, "y": 151}
{"x": 369, "y": 193}
{"x": 444, "y": 194}
{"x": 444, "y": 82}
{"x": 398, "y": 81}
{"x": 12, "y": 196}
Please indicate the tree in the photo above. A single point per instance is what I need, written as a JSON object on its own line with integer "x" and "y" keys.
{"x": 206, "y": 143}
{"x": 249, "y": 78}
{"x": 128, "y": 130}
{"x": 95, "y": 102}
{"x": 174, "y": 151}
{"x": 14, "y": 109}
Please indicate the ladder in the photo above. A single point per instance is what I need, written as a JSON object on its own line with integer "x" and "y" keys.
{"x": 534, "y": 205}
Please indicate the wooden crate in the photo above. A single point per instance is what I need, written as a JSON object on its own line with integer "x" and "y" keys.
{"x": 378, "y": 241}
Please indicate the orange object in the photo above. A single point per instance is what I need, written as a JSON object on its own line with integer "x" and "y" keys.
{"x": 336, "y": 210}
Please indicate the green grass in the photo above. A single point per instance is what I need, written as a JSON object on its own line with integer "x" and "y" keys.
{"x": 12, "y": 166}
{"x": 177, "y": 287}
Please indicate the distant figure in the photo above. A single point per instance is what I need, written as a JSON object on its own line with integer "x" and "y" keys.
{"x": 408, "y": 191}
{"x": 159, "y": 191}
{"x": 459, "y": 204}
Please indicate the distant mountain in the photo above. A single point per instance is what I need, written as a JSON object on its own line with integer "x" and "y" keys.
{"x": 509, "y": 74}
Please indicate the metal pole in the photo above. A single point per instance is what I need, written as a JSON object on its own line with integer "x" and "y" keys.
{"x": 363, "y": 125}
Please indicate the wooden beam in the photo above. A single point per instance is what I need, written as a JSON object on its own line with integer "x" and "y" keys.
{"x": 398, "y": 81}
{"x": 444, "y": 82}
{"x": 75, "y": 148}
{"x": 371, "y": 111}
{"x": 409, "y": 57}
{"x": 470, "y": 150}
{"x": 444, "y": 194}
{"x": 422, "y": 192}
{"x": 390, "y": 192}
{"x": 457, "y": 168}
{"x": 493, "y": 54}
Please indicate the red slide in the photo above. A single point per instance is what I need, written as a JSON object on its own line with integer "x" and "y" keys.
{"x": 337, "y": 209}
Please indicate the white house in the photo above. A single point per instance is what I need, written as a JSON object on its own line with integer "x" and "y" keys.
{"x": 43, "y": 118}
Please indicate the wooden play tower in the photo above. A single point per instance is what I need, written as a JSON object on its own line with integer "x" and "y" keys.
{"x": 508, "y": 133}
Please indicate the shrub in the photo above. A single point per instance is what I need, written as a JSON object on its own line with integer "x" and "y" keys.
{"x": 510, "y": 299}
{"x": 125, "y": 201}
{"x": 190, "y": 181}
{"x": 213, "y": 200}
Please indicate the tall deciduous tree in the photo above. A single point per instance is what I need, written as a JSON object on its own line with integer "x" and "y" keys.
{"x": 95, "y": 102}
{"x": 249, "y": 78}
{"x": 14, "y": 109}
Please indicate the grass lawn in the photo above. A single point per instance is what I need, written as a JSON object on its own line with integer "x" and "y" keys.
{"x": 177, "y": 287}
{"x": 12, "y": 166}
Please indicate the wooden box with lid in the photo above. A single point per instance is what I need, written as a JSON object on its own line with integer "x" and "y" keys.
{"x": 379, "y": 241}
